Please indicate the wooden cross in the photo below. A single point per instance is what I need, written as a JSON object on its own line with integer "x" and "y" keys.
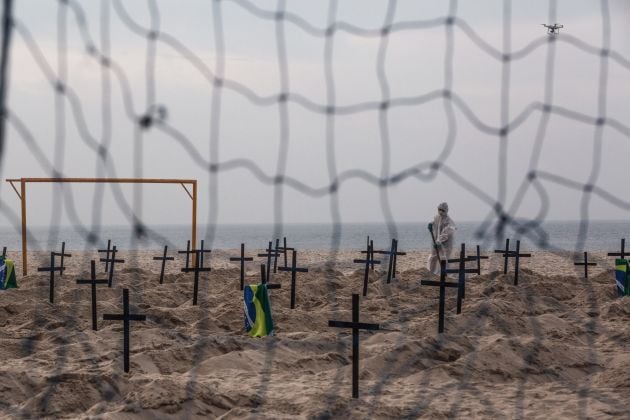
{"x": 396, "y": 254}
{"x": 275, "y": 257}
{"x": 442, "y": 284}
{"x": 356, "y": 326}
{"x": 201, "y": 252}
{"x": 187, "y": 252}
{"x": 585, "y": 264}
{"x": 623, "y": 252}
{"x": 270, "y": 252}
{"x": 163, "y": 258}
{"x": 461, "y": 271}
{"x": 197, "y": 269}
{"x": 284, "y": 249}
{"x": 263, "y": 278}
{"x": 109, "y": 243}
{"x": 370, "y": 251}
{"x": 479, "y": 257}
{"x": 367, "y": 261}
{"x": 52, "y": 270}
{"x": 242, "y": 259}
{"x": 112, "y": 262}
{"x": 393, "y": 253}
{"x": 505, "y": 254}
{"x": 293, "y": 269}
{"x": 93, "y": 281}
{"x": 516, "y": 256}
{"x": 62, "y": 254}
{"x": 125, "y": 317}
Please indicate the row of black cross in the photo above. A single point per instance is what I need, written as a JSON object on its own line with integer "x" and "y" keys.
{"x": 461, "y": 271}
{"x": 126, "y": 317}
{"x": 110, "y": 261}
{"x": 507, "y": 253}
{"x": 242, "y": 259}
{"x": 369, "y": 261}
{"x": 355, "y": 325}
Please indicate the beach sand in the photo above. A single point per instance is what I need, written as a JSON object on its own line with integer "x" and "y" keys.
{"x": 555, "y": 346}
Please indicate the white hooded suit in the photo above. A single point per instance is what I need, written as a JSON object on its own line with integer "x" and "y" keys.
{"x": 444, "y": 232}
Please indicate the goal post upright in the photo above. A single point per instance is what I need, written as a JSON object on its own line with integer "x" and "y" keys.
{"x": 22, "y": 196}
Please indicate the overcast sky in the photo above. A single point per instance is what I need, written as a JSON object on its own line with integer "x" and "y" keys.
{"x": 415, "y": 61}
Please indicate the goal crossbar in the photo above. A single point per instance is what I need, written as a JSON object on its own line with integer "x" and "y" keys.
{"x": 22, "y": 196}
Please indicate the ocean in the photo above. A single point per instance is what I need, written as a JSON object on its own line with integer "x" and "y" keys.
{"x": 552, "y": 235}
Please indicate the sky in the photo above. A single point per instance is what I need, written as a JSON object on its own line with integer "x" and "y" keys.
{"x": 296, "y": 139}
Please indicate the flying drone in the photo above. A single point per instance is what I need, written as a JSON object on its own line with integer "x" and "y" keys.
{"x": 553, "y": 29}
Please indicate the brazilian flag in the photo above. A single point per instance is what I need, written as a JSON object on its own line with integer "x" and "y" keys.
{"x": 7, "y": 274}
{"x": 622, "y": 273}
{"x": 257, "y": 310}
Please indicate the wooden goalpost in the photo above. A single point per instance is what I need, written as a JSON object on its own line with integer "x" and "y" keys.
{"x": 22, "y": 196}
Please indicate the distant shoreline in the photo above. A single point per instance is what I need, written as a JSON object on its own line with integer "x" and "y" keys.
{"x": 561, "y": 236}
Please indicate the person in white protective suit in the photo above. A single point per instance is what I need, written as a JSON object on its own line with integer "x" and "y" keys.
{"x": 443, "y": 229}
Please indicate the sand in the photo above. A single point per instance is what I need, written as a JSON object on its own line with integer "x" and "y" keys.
{"x": 555, "y": 346}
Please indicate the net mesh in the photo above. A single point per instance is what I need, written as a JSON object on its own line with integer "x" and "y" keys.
{"x": 146, "y": 115}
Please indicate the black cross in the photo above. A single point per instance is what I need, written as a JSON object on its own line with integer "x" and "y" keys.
{"x": 93, "y": 281}
{"x": 112, "y": 262}
{"x": 356, "y": 326}
{"x": 479, "y": 257}
{"x": 284, "y": 249}
{"x": 263, "y": 278}
{"x": 187, "y": 252}
{"x": 202, "y": 251}
{"x": 242, "y": 259}
{"x": 442, "y": 284}
{"x": 4, "y": 252}
{"x": 370, "y": 251}
{"x": 367, "y": 261}
{"x": 585, "y": 264}
{"x": 197, "y": 269}
{"x": 516, "y": 256}
{"x": 293, "y": 269}
{"x": 275, "y": 257}
{"x": 109, "y": 243}
{"x": 461, "y": 271}
{"x": 505, "y": 253}
{"x": 52, "y": 270}
{"x": 62, "y": 254}
{"x": 270, "y": 252}
{"x": 621, "y": 254}
{"x": 164, "y": 258}
{"x": 393, "y": 254}
{"x": 125, "y": 317}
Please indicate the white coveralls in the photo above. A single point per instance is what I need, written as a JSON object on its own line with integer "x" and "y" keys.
{"x": 444, "y": 232}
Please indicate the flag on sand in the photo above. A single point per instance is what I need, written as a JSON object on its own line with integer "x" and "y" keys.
{"x": 7, "y": 274}
{"x": 622, "y": 274}
{"x": 257, "y": 310}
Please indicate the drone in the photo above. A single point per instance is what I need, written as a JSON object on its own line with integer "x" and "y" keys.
{"x": 553, "y": 29}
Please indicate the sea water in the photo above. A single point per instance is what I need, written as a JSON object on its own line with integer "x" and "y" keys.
{"x": 555, "y": 235}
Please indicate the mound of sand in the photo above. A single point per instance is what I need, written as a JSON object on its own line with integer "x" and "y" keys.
{"x": 556, "y": 346}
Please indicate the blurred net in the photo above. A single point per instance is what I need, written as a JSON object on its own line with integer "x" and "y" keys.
{"x": 145, "y": 114}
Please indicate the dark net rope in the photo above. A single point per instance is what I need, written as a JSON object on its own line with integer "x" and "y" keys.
{"x": 152, "y": 116}
{"x": 146, "y": 120}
